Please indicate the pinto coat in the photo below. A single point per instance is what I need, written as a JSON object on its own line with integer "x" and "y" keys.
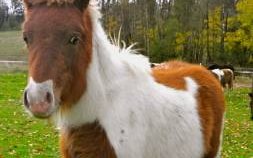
{"x": 119, "y": 106}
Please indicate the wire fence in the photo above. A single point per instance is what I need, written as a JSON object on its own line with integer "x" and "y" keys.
{"x": 22, "y": 65}
{"x": 241, "y": 71}
{"x": 13, "y": 66}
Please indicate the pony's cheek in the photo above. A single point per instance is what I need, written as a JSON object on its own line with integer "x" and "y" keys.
{"x": 62, "y": 84}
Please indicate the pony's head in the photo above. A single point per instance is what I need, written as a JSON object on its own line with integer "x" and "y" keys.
{"x": 58, "y": 34}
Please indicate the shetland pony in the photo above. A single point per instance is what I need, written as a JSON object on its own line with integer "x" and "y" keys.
{"x": 216, "y": 66}
{"x": 225, "y": 76}
{"x": 106, "y": 100}
{"x": 227, "y": 79}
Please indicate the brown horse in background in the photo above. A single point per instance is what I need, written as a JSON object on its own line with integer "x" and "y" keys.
{"x": 227, "y": 78}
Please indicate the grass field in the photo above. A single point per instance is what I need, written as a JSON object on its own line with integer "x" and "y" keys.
{"x": 20, "y": 135}
{"x": 24, "y": 137}
{"x": 238, "y": 133}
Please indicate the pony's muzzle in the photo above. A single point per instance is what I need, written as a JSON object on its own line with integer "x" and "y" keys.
{"x": 39, "y": 99}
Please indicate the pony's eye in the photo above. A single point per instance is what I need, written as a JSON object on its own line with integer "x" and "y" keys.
{"x": 74, "y": 40}
{"x": 25, "y": 38}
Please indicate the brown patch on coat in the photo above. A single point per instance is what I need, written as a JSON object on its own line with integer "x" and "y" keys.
{"x": 87, "y": 141}
{"x": 79, "y": 80}
{"x": 211, "y": 105}
{"x": 167, "y": 74}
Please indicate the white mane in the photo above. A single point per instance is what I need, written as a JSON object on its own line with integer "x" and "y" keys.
{"x": 130, "y": 57}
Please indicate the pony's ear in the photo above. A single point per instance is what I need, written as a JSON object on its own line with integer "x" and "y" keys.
{"x": 27, "y": 4}
{"x": 81, "y": 4}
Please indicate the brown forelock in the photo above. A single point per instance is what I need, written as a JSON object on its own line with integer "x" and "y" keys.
{"x": 211, "y": 105}
{"x": 87, "y": 141}
{"x": 51, "y": 56}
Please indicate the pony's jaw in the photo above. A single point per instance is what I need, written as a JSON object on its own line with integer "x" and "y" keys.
{"x": 40, "y": 99}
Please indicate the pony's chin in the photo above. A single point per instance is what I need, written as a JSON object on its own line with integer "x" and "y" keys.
{"x": 42, "y": 116}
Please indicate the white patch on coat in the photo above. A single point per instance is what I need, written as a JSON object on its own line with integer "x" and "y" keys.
{"x": 142, "y": 119}
{"x": 219, "y": 73}
{"x": 191, "y": 85}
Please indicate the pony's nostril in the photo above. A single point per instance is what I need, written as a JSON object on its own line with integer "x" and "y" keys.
{"x": 49, "y": 97}
{"x": 26, "y": 103}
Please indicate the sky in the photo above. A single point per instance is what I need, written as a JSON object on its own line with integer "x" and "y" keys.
{"x": 8, "y": 2}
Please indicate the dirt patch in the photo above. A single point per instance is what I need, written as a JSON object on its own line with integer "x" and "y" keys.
{"x": 242, "y": 85}
{"x": 243, "y": 82}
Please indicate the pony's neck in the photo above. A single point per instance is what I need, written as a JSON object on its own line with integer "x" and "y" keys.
{"x": 110, "y": 68}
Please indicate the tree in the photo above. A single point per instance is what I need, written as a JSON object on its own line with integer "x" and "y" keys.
{"x": 18, "y": 10}
{"x": 194, "y": 30}
{"x": 240, "y": 34}
{"x": 3, "y": 12}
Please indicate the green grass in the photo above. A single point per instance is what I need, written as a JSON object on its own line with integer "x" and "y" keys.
{"x": 24, "y": 137}
{"x": 20, "y": 135}
{"x": 238, "y": 133}
{"x": 12, "y": 46}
